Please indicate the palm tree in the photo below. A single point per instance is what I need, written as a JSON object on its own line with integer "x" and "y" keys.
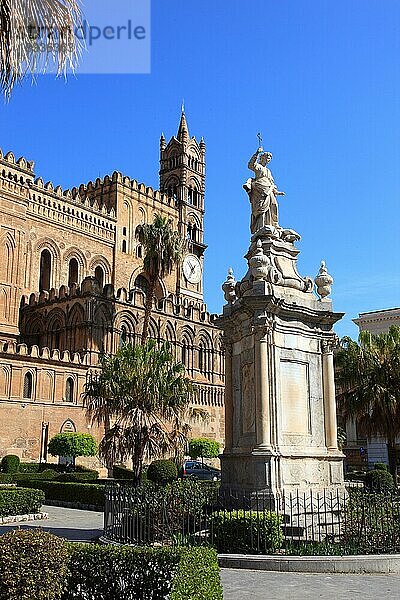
{"x": 146, "y": 395}
{"x": 32, "y": 32}
{"x": 163, "y": 248}
{"x": 368, "y": 381}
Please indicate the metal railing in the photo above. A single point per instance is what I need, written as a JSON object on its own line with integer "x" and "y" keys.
{"x": 336, "y": 522}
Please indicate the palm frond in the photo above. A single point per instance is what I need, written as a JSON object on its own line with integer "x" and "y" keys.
{"x": 34, "y": 32}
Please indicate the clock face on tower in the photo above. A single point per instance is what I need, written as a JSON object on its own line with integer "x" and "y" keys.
{"x": 192, "y": 268}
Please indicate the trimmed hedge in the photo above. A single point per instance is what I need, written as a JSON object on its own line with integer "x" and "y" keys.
{"x": 109, "y": 572}
{"x": 33, "y": 564}
{"x": 162, "y": 472}
{"x": 20, "y": 501}
{"x": 10, "y": 463}
{"x": 198, "y": 576}
{"x": 34, "y": 467}
{"x": 6, "y": 478}
{"x": 121, "y": 472}
{"x": 83, "y": 493}
{"x": 240, "y": 531}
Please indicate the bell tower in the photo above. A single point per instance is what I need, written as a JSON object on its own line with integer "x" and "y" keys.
{"x": 182, "y": 178}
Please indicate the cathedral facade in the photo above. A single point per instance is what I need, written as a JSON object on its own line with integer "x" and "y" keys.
{"x": 72, "y": 286}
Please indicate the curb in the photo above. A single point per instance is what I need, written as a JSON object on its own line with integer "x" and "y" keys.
{"x": 77, "y": 505}
{"x": 22, "y": 518}
{"x": 370, "y": 563}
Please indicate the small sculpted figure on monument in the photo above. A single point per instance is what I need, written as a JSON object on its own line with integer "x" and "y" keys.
{"x": 262, "y": 192}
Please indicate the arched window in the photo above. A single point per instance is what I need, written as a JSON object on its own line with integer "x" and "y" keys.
{"x": 28, "y": 385}
{"x": 141, "y": 283}
{"x": 69, "y": 390}
{"x": 73, "y": 272}
{"x": 139, "y": 251}
{"x": 124, "y": 246}
{"x": 184, "y": 354}
{"x": 201, "y": 359}
{"x": 57, "y": 338}
{"x": 99, "y": 274}
{"x": 124, "y": 231}
{"x": 45, "y": 270}
{"x": 123, "y": 337}
{"x": 190, "y": 196}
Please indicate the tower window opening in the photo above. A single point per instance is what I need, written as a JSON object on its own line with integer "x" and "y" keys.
{"x": 73, "y": 269}
{"x": 99, "y": 275}
{"x": 69, "y": 390}
{"x": 124, "y": 246}
{"x": 28, "y": 381}
{"x": 124, "y": 231}
{"x": 45, "y": 270}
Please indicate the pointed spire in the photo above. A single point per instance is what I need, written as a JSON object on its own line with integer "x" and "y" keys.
{"x": 183, "y": 131}
{"x": 163, "y": 143}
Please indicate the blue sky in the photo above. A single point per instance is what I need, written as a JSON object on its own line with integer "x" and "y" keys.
{"x": 319, "y": 79}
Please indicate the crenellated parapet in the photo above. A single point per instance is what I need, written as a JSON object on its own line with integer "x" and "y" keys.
{"x": 22, "y": 351}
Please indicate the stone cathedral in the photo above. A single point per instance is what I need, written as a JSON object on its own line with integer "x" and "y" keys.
{"x": 72, "y": 286}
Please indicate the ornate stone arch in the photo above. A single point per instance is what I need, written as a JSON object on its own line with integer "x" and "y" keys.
{"x": 55, "y": 253}
{"x": 101, "y": 261}
{"x": 74, "y": 252}
{"x": 5, "y": 381}
{"x": 7, "y": 241}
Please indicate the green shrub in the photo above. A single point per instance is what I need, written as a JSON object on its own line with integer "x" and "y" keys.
{"x": 77, "y": 493}
{"x": 73, "y": 444}
{"x": 198, "y": 576}
{"x": 162, "y": 472}
{"x": 33, "y": 564}
{"x": 10, "y": 463}
{"x": 47, "y": 475}
{"x": 6, "y": 478}
{"x": 204, "y": 448}
{"x": 379, "y": 480}
{"x": 380, "y": 466}
{"x": 245, "y": 531}
{"x": 18, "y": 501}
{"x": 155, "y": 513}
{"x": 109, "y": 572}
{"x": 122, "y": 472}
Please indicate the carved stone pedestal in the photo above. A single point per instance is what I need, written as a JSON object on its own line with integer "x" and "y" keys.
{"x": 280, "y": 395}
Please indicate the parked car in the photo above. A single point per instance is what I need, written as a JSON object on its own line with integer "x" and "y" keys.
{"x": 195, "y": 469}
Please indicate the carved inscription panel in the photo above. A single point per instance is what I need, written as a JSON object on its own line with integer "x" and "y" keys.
{"x": 295, "y": 398}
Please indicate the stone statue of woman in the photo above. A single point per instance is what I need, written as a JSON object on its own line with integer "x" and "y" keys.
{"x": 262, "y": 192}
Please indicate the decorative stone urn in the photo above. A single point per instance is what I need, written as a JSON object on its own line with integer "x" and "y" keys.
{"x": 259, "y": 263}
{"x": 323, "y": 281}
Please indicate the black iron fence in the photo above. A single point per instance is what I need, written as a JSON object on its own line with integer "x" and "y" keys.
{"x": 335, "y": 522}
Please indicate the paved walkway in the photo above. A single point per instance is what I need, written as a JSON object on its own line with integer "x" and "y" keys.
{"x": 69, "y": 523}
{"x": 240, "y": 584}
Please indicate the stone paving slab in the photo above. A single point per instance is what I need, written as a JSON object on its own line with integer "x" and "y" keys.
{"x": 71, "y": 524}
{"x": 239, "y": 584}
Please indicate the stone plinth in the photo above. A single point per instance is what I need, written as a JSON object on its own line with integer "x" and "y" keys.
{"x": 280, "y": 396}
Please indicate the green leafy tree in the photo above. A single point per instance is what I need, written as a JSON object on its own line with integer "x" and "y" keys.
{"x": 163, "y": 248}
{"x": 73, "y": 444}
{"x": 368, "y": 383}
{"x": 34, "y": 31}
{"x": 145, "y": 395}
{"x": 204, "y": 448}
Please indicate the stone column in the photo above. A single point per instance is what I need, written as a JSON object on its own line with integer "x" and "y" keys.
{"x": 228, "y": 399}
{"x": 329, "y": 395}
{"x": 262, "y": 388}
